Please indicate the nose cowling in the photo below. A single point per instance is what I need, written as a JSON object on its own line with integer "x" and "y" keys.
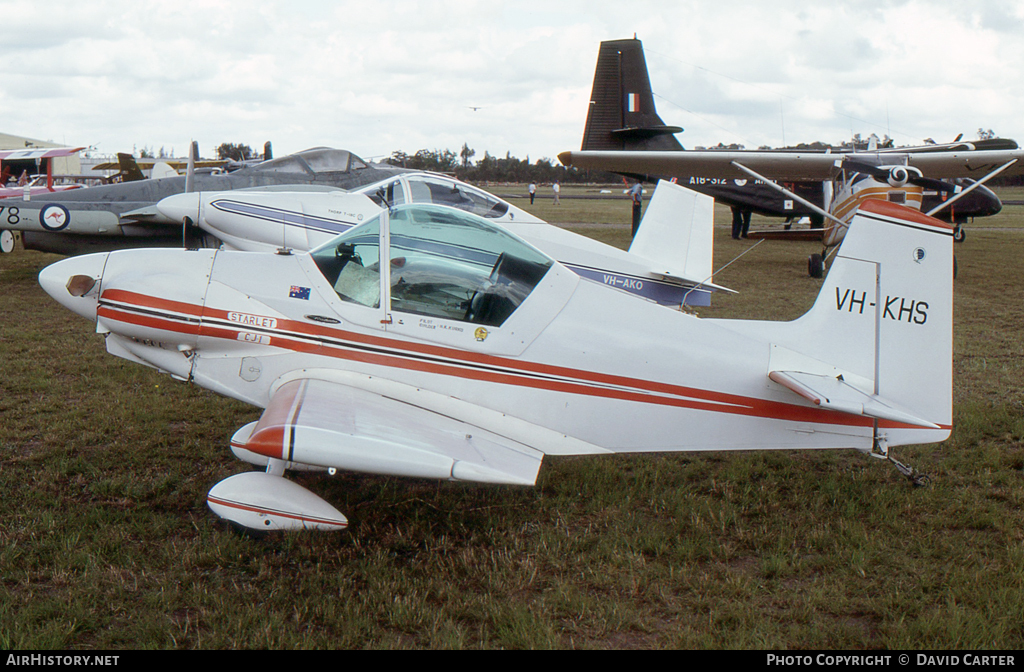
{"x": 75, "y": 282}
{"x": 180, "y": 206}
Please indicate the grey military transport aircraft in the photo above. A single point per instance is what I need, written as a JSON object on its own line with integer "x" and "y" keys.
{"x": 124, "y": 215}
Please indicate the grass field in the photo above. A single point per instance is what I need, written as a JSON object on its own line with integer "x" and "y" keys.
{"x": 106, "y": 542}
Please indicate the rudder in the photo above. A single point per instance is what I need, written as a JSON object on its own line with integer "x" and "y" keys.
{"x": 885, "y": 312}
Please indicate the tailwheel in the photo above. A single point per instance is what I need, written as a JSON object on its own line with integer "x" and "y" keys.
{"x": 880, "y": 450}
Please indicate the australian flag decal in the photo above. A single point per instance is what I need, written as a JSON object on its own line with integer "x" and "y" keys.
{"x": 299, "y": 292}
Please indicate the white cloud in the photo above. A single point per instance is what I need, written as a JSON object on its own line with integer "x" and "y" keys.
{"x": 401, "y": 75}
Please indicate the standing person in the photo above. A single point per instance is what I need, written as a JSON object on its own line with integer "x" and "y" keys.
{"x": 557, "y": 189}
{"x": 533, "y": 191}
{"x": 636, "y": 194}
{"x": 740, "y": 222}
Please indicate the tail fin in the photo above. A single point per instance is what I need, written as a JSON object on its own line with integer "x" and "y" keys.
{"x": 886, "y": 307}
{"x": 878, "y": 341}
{"x": 130, "y": 171}
{"x": 622, "y": 114}
{"x": 676, "y": 233}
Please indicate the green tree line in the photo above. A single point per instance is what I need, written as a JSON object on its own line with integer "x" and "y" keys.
{"x": 494, "y": 169}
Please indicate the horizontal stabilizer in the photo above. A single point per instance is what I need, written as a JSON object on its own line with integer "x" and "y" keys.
{"x": 836, "y": 394}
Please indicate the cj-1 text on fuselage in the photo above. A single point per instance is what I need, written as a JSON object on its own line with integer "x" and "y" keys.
{"x": 432, "y": 343}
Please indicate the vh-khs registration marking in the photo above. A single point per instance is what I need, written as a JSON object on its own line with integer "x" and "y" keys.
{"x": 895, "y": 307}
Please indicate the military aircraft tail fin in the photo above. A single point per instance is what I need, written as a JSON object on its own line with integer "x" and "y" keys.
{"x": 885, "y": 316}
{"x": 622, "y": 115}
{"x": 129, "y": 169}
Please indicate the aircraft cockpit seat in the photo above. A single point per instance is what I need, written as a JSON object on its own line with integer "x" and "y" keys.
{"x": 511, "y": 280}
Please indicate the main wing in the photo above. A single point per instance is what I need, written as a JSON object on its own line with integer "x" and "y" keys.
{"x": 367, "y": 424}
{"x": 784, "y": 165}
{"x": 777, "y": 165}
{"x": 38, "y": 153}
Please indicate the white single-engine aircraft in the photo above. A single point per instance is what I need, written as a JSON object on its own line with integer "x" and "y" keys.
{"x": 849, "y": 179}
{"x": 429, "y": 342}
{"x": 669, "y": 259}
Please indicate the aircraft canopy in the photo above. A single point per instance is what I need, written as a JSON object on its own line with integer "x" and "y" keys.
{"x": 444, "y": 263}
{"x": 313, "y": 161}
{"x": 436, "y": 189}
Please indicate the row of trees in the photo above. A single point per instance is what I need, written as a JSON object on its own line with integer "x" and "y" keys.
{"x": 494, "y": 169}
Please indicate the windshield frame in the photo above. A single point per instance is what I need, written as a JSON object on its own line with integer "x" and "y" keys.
{"x": 449, "y": 264}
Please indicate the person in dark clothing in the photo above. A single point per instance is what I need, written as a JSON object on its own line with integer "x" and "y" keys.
{"x": 740, "y": 223}
{"x": 636, "y": 194}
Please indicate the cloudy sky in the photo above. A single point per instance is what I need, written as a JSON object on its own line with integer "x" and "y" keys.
{"x": 376, "y": 76}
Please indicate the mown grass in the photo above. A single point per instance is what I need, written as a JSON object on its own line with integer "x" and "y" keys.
{"x": 105, "y": 540}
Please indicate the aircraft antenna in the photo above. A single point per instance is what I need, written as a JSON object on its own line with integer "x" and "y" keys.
{"x": 782, "y": 122}
{"x": 187, "y": 233}
{"x": 682, "y": 304}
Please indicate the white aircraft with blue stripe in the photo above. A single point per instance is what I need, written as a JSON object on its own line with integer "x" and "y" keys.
{"x": 669, "y": 261}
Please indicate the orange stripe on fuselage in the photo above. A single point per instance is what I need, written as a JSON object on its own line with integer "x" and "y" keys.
{"x": 134, "y": 298}
{"x": 403, "y": 356}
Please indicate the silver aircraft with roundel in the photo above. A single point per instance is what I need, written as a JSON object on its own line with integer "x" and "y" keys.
{"x": 116, "y": 216}
{"x": 429, "y": 342}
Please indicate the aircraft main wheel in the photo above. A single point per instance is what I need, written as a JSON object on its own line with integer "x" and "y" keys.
{"x": 6, "y": 241}
{"x": 959, "y": 234}
{"x": 816, "y": 265}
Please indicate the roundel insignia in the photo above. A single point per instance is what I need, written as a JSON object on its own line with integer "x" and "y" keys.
{"x": 740, "y": 182}
{"x": 919, "y": 255}
{"x": 54, "y": 217}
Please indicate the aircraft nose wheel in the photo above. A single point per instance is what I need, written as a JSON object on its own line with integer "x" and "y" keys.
{"x": 959, "y": 233}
